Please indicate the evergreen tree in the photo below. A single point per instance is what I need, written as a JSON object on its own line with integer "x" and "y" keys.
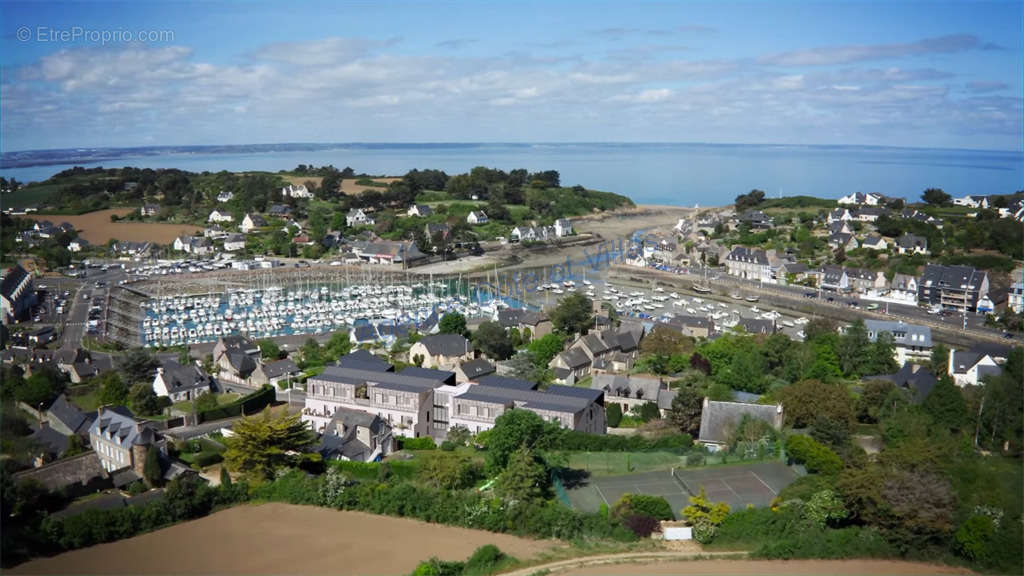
{"x": 946, "y": 404}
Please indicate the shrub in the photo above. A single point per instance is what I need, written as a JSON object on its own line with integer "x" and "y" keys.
{"x": 613, "y": 415}
{"x": 641, "y": 504}
{"x": 641, "y": 525}
{"x": 204, "y": 459}
{"x": 815, "y": 456}
{"x": 425, "y": 443}
{"x": 695, "y": 459}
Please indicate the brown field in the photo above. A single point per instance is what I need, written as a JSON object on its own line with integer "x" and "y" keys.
{"x": 303, "y": 179}
{"x": 349, "y": 186}
{"x": 757, "y": 567}
{"x": 97, "y": 228}
{"x": 283, "y": 539}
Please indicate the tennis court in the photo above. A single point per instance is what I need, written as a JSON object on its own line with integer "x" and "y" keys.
{"x": 737, "y": 485}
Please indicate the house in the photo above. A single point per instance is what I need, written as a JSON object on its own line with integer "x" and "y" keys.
{"x": 758, "y": 325}
{"x": 364, "y": 360}
{"x": 904, "y": 287}
{"x": 358, "y": 217}
{"x": 252, "y": 222}
{"x": 234, "y": 243}
{"x": 181, "y": 382}
{"x": 17, "y": 294}
{"x": 952, "y": 287}
{"x": 914, "y": 378}
{"x": 445, "y": 351}
{"x": 476, "y": 217}
{"x": 473, "y": 370}
{"x": 387, "y": 252}
{"x": 197, "y": 245}
{"x": 756, "y": 220}
{"x": 523, "y": 234}
{"x": 563, "y": 227}
{"x": 421, "y": 210}
{"x": 537, "y": 323}
{"x": 580, "y": 409}
{"x": 749, "y": 263}
{"x": 149, "y": 210}
{"x": 220, "y": 216}
{"x": 570, "y": 365}
{"x": 969, "y": 368}
{"x": 870, "y": 213}
{"x": 77, "y": 245}
{"x": 972, "y": 201}
{"x": 236, "y": 356}
{"x": 692, "y": 326}
{"x": 273, "y": 373}
{"x": 1015, "y": 297}
{"x": 46, "y": 444}
{"x": 840, "y": 227}
{"x": 279, "y": 210}
{"x": 356, "y": 435}
{"x": 788, "y": 272}
{"x": 911, "y": 244}
{"x": 41, "y": 336}
{"x": 718, "y": 420}
{"x": 628, "y": 391}
{"x": 120, "y": 442}
{"x": 845, "y": 241}
{"x": 436, "y": 232}
{"x": 225, "y": 196}
{"x": 863, "y": 280}
{"x": 296, "y": 191}
{"x": 839, "y": 215}
{"x": 215, "y": 232}
{"x": 605, "y": 350}
{"x": 912, "y": 341}
{"x": 67, "y": 419}
{"x": 875, "y": 242}
{"x": 860, "y": 199}
{"x": 834, "y": 278}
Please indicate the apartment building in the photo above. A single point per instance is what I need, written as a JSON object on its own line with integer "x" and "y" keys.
{"x": 952, "y": 287}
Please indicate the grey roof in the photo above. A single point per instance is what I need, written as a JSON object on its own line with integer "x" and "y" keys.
{"x": 506, "y": 382}
{"x": 364, "y": 333}
{"x": 513, "y": 317}
{"x": 257, "y": 220}
{"x": 910, "y": 241}
{"x": 279, "y": 209}
{"x": 964, "y": 360}
{"x": 179, "y": 378}
{"x": 595, "y": 343}
{"x": 446, "y": 344}
{"x": 476, "y": 368}
{"x": 954, "y": 277}
{"x": 575, "y": 358}
{"x": 719, "y": 419}
{"x": 627, "y": 386}
{"x": 758, "y": 325}
{"x": 920, "y": 381}
{"x": 873, "y": 240}
{"x": 50, "y": 440}
{"x": 555, "y": 398}
{"x": 748, "y": 255}
{"x": 241, "y": 362}
{"x": 424, "y": 209}
{"x": 665, "y": 398}
{"x": 439, "y": 376}
{"x": 794, "y": 267}
{"x": 902, "y": 333}
{"x": 13, "y": 278}
{"x": 840, "y": 238}
{"x": 69, "y": 415}
{"x": 365, "y": 360}
{"x": 120, "y": 426}
{"x": 279, "y": 368}
{"x": 389, "y": 380}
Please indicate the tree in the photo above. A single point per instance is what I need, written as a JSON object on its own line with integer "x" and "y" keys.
{"x": 613, "y": 415}
{"x": 946, "y": 404}
{"x": 544, "y": 349}
{"x": 749, "y": 200}
{"x": 936, "y": 197}
{"x": 705, "y": 516}
{"x": 491, "y": 339}
{"x": 75, "y": 446}
{"x": 138, "y": 365}
{"x": 459, "y": 435}
{"x": 262, "y": 444}
{"x": 152, "y": 469}
{"x": 205, "y": 402}
{"x": 524, "y": 479}
{"x": 573, "y": 314}
{"x": 940, "y": 360}
{"x": 452, "y": 323}
{"x": 872, "y": 399}
{"x": 647, "y": 411}
{"x": 852, "y": 349}
{"x": 809, "y": 399}
{"x": 631, "y": 504}
{"x": 686, "y": 410}
{"x": 225, "y": 477}
{"x": 113, "y": 390}
{"x": 269, "y": 350}
{"x": 143, "y": 400}
{"x": 512, "y": 430}
{"x": 447, "y": 471}
{"x": 882, "y": 355}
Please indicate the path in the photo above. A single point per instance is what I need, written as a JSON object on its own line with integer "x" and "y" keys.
{"x": 621, "y": 558}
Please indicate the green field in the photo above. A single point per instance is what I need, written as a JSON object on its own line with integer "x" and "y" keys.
{"x": 610, "y": 463}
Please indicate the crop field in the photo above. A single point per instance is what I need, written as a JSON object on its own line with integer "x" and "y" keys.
{"x": 97, "y": 228}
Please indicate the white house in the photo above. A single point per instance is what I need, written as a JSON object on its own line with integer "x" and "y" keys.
{"x": 299, "y": 191}
{"x": 563, "y": 227}
{"x": 180, "y": 382}
{"x": 476, "y": 217}
{"x": 357, "y": 217}
{"x": 875, "y": 242}
{"x": 225, "y": 196}
{"x": 968, "y": 368}
{"x": 77, "y": 245}
{"x": 860, "y": 199}
{"x": 234, "y": 243}
{"x": 220, "y": 216}
{"x": 252, "y": 222}
{"x": 1015, "y": 298}
{"x": 911, "y": 244}
{"x": 421, "y": 210}
{"x": 149, "y": 210}
{"x": 972, "y": 201}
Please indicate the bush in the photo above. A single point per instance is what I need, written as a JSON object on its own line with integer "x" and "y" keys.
{"x": 448, "y": 446}
{"x": 696, "y": 459}
{"x": 815, "y": 456}
{"x": 613, "y": 415}
{"x": 204, "y": 459}
{"x": 571, "y": 440}
{"x": 641, "y": 525}
{"x": 633, "y": 504}
{"x": 425, "y": 443}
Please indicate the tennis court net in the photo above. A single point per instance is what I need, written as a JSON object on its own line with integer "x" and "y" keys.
{"x": 682, "y": 483}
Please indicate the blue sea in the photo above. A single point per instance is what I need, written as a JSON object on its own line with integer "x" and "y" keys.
{"x": 678, "y": 174}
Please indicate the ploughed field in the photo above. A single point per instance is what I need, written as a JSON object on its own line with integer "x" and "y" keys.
{"x": 760, "y": 567}
{"x": 283, "y": 539}
{"x": 97, "y": 228}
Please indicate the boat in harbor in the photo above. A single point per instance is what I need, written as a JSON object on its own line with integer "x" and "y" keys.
{"x": 701, "y": 288}
{"x": 753, "y": 298}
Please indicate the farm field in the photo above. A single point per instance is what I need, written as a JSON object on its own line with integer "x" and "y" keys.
{"x": 97, "y": 228}
{"x": 283, "y": 539}
{"x": 757, "y": 567}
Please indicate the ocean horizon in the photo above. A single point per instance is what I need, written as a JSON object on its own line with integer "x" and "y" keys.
{"x": 682, "y": 174}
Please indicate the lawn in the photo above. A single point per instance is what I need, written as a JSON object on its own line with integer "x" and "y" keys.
{"x": 85, "y": 397}
{"x": 222, "y": 399}
{"x": 609, "y": 463}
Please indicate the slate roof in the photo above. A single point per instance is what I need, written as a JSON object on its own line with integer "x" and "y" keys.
{"x": 506, "y": 382}
{"x": 440, "y": 376}
{"x": 748, "y": 255}
{"x": 556, "y": 398}
{"x": 179, "y": 378}
{"x": 69, "y": 415}
{"x": 627, "y": 386}
{"x": 365, "y": 360}
{"x": 758, "y": 325}
{"x": 279, "y": 368}
{"x": 446, "y": 344}
{"x": 920, "y": 381}
{"x": 391, "y": 380}
{"x": 954, "y": 277}
{"x": 909, "y": 241}
{"x": 476, "y": 368}
{"x": 50, "y": 440}
{"x": 513, "y": 317}
{"x": 13, "y": 278}
{"x": 903, "y": 334}
{"x": 719, "y": 419}
{"x": 575, "y": 358}
{"x": 120, "y": 425}
{"x": 364, "y": 333}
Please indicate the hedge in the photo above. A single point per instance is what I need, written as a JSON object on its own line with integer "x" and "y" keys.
{"x": 249, "y": 404}
{"x": 815, "y": 456}
{"x": 575, "y": 441}
{"x": 425, "y": 443}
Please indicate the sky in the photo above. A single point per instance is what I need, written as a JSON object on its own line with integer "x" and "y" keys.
{"x": 913, "y": 73}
